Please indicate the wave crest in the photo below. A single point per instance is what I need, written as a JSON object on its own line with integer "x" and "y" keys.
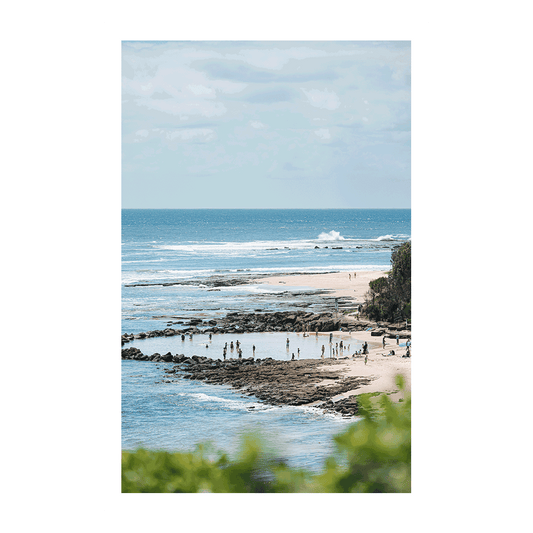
{"x": 331, "y": 236}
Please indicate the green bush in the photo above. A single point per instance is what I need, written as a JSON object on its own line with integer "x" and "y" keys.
{"x": 372, "y": 455}
{"x": 389, "y": 298}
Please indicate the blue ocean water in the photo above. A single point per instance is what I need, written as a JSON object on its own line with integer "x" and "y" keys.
{"x": 187, "y": 247}
{"x": 177, "y": 246}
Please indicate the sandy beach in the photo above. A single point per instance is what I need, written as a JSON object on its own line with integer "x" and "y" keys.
{"x": 339, "y": 283}
{"x": 380, "y": 366}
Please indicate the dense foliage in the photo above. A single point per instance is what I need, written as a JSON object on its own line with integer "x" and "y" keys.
{"x": 373, "y": 455}
{"x": 389, "y": 298}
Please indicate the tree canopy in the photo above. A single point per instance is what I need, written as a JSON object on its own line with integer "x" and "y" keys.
{"x": 389, "y": 298}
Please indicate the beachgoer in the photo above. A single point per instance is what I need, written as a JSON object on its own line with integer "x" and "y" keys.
{"x": 366, "y": 358}
{"x": 298, "y": 353}
{"x": 354, "y": 274}
{"x": 207, "y": 345}
{"x": 397, "y": 339}
{"x": 237, "y": 344}
{"x": 383, "y": 341}
{"x": 330, "y": 338}
{"x": 292, "y": 356}
{"x": 350, "y": 277}
{"x": 183, "y": 337}
{"x": 253, "y": 349}
{"x": 231, "y": 346}
{"x": 210, "y": 336}
{"x": 340, "y": 345}
{"x": 408, "y": 343}
{"x": 287, "y": 342}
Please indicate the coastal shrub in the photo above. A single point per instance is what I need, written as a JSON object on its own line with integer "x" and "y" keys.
{"x": 372, "y": 455}
{"x": 389, "y": 298}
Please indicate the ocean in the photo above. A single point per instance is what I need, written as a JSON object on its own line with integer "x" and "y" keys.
{"x": 174, "y": 266}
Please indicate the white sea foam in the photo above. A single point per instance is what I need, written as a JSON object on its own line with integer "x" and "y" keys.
{"x": 386, "y": 238}
{"x": 228, "y": 403}
{"x": 331, "y": 236}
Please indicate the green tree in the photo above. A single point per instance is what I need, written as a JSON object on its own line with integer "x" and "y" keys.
{"x": 390, "y": 298}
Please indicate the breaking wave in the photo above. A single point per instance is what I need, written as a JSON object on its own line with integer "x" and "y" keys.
{"x": 331, "y": 236}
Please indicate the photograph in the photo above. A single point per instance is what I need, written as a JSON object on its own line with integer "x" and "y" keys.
{"x": 266, "y": 266}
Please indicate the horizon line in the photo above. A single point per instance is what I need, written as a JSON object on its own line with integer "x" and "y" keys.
{"x": 263, "y": 208}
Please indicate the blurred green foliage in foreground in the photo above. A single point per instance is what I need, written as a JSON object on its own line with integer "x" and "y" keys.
{"x": 373, "y": 455}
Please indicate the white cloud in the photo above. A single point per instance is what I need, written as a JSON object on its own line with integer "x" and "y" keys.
{"x": 257, "y": 124}
{"x": 204, "y": 134}
{"x": 323, "y": 99}
{"x": 199, "y": 89}
{"x": 274, "y": 58}
{"x": 323, "y": 133}
{"x": 201, "y": 107}
{"x": 142, "y": 133}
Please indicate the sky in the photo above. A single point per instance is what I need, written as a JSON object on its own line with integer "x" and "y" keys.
{"x": 269, "y": 124}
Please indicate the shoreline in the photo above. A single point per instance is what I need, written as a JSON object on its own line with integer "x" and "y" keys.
{"x": 336, "y": 392}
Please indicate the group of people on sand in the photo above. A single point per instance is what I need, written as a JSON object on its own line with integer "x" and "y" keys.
{"x": 407, "y": 344}
{"x": 350, "y": 276}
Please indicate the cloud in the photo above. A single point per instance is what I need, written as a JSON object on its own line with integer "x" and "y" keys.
{"x": 244, "y": 74}
{"x": 256, "y": 124}
{"x": 322, "y": 99}
{"x": 142, "y": 133}
{"x": 290, "y": 167}
{"x": 323, "y": 133}
{"x": 269, "y": 96}
{"x": 184, "y": 108}
{"x": 203, "y": 134}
